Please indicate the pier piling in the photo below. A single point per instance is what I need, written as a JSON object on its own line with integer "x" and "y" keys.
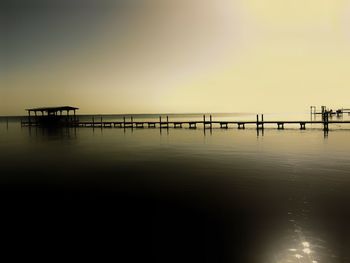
{"x": 224, "y": 125}
{"x": 325, "y": 121}
{"x": 241, "y": 125}
{"x": 192, "y": 125}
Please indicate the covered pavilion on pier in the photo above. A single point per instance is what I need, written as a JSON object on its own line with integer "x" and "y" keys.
{"x": 52, "y": 114}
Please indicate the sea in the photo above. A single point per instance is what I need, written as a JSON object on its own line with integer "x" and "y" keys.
{"x": 177, "y": 195}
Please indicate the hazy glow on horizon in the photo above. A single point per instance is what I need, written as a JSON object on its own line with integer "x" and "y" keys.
{"x": 151, "y": 56}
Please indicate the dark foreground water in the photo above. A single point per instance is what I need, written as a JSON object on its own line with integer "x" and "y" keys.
{"x": 176, "y": 195}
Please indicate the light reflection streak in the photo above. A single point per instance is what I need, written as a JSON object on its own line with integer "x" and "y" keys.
{"x": 302, "y": 250}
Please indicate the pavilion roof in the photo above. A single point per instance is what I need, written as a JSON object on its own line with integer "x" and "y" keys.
{"x": 51, "y": 109}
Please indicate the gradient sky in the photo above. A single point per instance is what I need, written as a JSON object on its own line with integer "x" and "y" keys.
{"x": 150, "y": 56}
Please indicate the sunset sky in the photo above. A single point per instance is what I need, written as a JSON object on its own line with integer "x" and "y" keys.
{"x": 152, "y": 56}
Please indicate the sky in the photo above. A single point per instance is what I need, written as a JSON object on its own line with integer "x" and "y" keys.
{"x": 165, "y": 56}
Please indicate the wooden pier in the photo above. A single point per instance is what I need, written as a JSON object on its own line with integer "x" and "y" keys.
{"x": 54, "y": 117}
{"x": 259, "y": 123}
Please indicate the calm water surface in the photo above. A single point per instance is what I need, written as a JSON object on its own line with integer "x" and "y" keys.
{"x": 186, "y": 195}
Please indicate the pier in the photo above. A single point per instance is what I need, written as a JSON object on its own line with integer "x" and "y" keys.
{"x": 53, "y": 116}
{"x": 259, "y": 123}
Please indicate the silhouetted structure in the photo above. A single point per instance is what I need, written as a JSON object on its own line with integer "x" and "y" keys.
{"x": 324, "y": 110}
{"x": 59, "y": 116}
{"x": 51, "y": 116}
{"x": 260, "y": 123}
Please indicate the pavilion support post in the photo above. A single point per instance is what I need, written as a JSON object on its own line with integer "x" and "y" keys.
{"x": 210, "y": 121}
{"x": 29, "y": 121}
